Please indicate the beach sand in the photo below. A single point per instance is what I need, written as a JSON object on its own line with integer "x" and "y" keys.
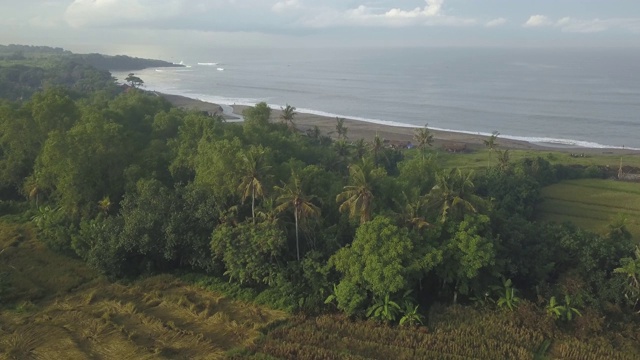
{"x": 396, "y": 134}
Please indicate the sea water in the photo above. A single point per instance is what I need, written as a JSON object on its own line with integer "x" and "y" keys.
{"x": 573, "y": 97}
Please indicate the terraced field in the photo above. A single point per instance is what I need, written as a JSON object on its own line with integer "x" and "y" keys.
{"x": 593, "y": 204}
{"x": 56, "y": 308}
{"x": 453, "y": 333}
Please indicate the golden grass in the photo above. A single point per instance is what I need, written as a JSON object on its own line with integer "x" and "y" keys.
{"x": 60, "y": 309}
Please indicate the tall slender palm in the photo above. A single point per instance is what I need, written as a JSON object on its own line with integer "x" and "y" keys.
{"x": 377, "y": 145}
{"x": 360, "y": 148}
{"x": 341, "y": 129}
{"x": 454, "y": 194}
{"x": 357, "y": 197}
{"x": 292, "y": 197}
{"x": 491, "y": 144}
{"x": 254, "y": 172}
{"x": 423, "y": 138}
{"x": 288, "y": 113}
{"x": 314, "y": 133}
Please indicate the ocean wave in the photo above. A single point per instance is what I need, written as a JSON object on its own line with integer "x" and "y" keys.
{"x": 207, "y": 63}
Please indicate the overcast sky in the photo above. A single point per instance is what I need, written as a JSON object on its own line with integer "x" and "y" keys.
{"x": 157, "y": 28}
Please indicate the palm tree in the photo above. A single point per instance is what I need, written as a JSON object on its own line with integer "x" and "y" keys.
{"x": 360, "y": 148}
{"x": 503, "y": 159}
{"x": 491, "y": 145}
{"x": 357, "y": 198}
{"x": 376, "y": 147}
{"x": 453, "y": 193}
{"x": 341, "y": 129}
{"x": 423, "y": 138}
{"x": 104, "y": 205}
{"x": 288, "y": 113}
{"x": 292, "y": 197}
{"x": 254, "y": 174}
{"x": 411, "y": 211}
{"x": 314, "y": 133}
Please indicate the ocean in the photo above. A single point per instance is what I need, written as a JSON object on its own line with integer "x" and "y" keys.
{"x": 565, "y": 97}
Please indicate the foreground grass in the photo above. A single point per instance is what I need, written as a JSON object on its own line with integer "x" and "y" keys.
{"x": 452, "y": 333}
{"x": 593, "y": 204}
{"x": 57, "y": 308}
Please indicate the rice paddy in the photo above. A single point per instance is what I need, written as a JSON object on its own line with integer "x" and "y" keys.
{"x": 54, "y": 307}
{"x": 452, "y": 333}
{"x": 593, "y": 204}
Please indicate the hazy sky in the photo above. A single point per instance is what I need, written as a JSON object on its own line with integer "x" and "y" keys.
{"x": 157, "y": 28}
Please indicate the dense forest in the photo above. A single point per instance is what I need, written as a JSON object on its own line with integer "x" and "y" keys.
{"x": 302, "y": 221}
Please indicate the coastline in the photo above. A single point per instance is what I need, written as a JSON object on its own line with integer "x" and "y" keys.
{"x": 359, "y": 129}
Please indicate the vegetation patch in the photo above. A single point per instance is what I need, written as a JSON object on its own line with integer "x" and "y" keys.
{"x": 60, "y": 309}
{"x": 593, "y": 204}
{"x": 453, "y": 332}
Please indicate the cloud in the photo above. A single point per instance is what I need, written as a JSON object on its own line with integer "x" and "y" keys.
{"x": 432, "y": 14}
{"x": 575, "y": 25}
{"x": 496, "y": 22}
{"x": 284, "y": 5}
{"x": 538, "y": 21}
{"x": 568, "y": 24}
{"x": 98, "y": 13}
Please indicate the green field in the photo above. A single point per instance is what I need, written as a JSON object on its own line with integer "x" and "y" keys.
{"x": 592, "y": 204}
{"x": 478, "y": 159}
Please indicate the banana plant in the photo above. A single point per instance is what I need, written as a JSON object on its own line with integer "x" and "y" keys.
{"x": 554, "y": 309}
{"x": 509, "y": 298}
{"x": 384, "y": 309}
{"x": 411, "y": 316}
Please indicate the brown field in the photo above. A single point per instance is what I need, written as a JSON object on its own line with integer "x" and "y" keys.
{"x": 57, "y": 308}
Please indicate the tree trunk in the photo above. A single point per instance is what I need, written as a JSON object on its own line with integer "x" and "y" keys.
{"x": 253, "y": 203}
{"x": 295, "y": 215}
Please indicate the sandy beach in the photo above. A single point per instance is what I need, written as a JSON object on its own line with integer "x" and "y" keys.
{"x": 366, "y": 130}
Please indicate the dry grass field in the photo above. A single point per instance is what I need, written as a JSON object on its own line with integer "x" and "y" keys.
{"x": 54, "y": 307}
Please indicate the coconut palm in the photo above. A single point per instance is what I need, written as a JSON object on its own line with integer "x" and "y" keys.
{"x": 292, "y": 197}
{"x": 341, "y": 129}
{"x": 412, "y": 210}
{"x": 314, "y": 133}
{"x": 453, "y": 194}
{"x": 423, "y": 138}
{"x": 254, "y": 172}
{"x": 357, "y": 197}
{"x": 377, "y": 146}
{"x": 491, "y": 144}
{"x": 104, "y": 205}
{"x": 288, "y": 113}
{"x": 360, "y": 147}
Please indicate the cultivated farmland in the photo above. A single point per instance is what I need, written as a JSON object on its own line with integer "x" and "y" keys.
{"x": 452, "y": 333}
{"x": 55, "y": 307}
{"x": 593, "y": 204}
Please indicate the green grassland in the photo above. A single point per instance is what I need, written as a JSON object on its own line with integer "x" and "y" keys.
{"x": 478, "y": 159}
{"x": 55, "y": 307}
{"x": 592, "y": 203}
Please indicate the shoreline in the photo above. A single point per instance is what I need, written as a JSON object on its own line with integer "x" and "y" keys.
{"x": 361, "y": 129}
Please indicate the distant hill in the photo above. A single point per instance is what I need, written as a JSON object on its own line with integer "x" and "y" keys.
{"x": 121, "y": 62}
{"x": 11, "y": 53}
{"x": 25, "y": 70}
